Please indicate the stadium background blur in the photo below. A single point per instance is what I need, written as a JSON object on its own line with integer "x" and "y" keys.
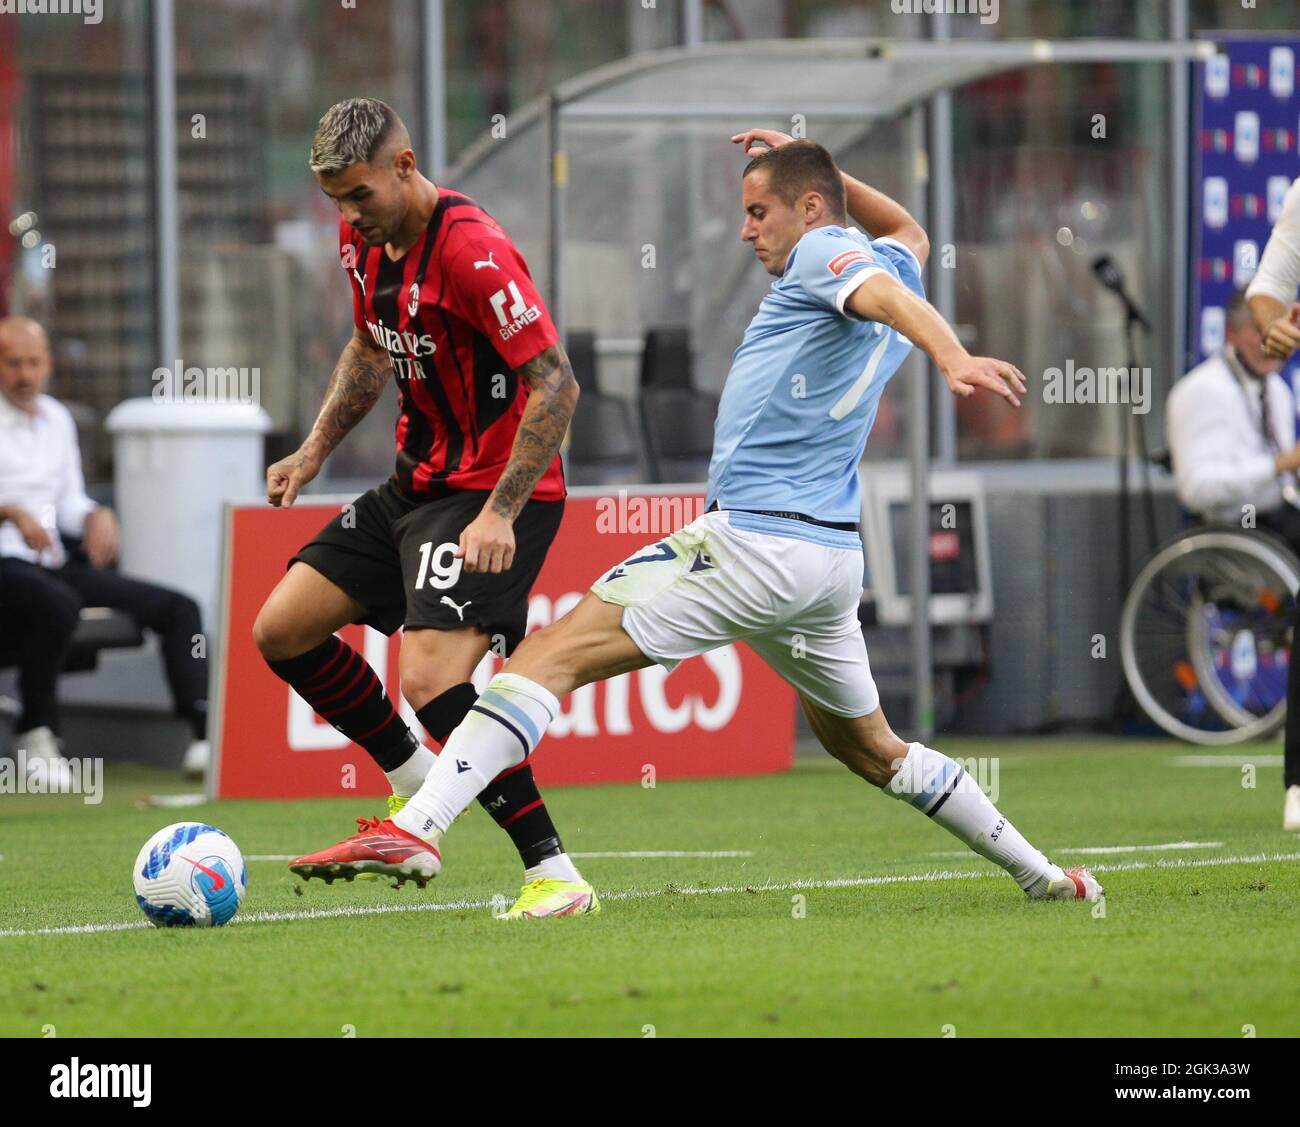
{"x": 258, "y": 282}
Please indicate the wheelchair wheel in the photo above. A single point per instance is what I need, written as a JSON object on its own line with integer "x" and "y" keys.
{"x": 1205, "y": 635}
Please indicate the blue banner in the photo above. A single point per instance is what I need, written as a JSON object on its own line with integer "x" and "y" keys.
{"x": 1244, "y": 151}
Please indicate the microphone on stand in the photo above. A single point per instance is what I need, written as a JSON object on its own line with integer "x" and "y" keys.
{"x": 1112, "y": 277}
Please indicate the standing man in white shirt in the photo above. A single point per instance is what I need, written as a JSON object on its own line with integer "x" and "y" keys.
{"x": 43, "y": 585}
{"x": 1273, "y": 305}
{"x": 1272, "y": 292}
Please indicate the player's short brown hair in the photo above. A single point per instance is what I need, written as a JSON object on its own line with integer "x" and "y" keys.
{"x": 798, "y": 167}
{"x": 355, "y": 130}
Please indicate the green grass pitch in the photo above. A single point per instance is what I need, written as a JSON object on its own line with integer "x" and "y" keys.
{"x": 896, "y": 933}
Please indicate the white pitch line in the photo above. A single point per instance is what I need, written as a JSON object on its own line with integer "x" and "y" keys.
{"x": 1145, "y": 848}
{"x": 1227, "y": 760}
{"x": 1110, "y": 848}
{"x": 624, "y": 853}
{"x": 264, "y": 917}
{"x": 1199, "y": 863}
{"x": 652, "y": 893}
{"x": 672, "y": 853}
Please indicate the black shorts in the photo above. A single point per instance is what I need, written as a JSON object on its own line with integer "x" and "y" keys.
{"x": 394, "y": 556}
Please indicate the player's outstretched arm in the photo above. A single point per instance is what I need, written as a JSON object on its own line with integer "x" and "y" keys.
{"x": 884, "y": 298}
{"x": 488, "y": 544}
{"x": 877, "y": 214}
{"x": 884, "y": 218}
{"x": 356, "y": 385}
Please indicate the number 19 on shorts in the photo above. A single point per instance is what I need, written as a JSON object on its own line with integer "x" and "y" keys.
{"x": 439, "y": 566}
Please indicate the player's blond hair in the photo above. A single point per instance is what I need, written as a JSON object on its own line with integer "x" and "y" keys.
{"x": 355, "y": 130}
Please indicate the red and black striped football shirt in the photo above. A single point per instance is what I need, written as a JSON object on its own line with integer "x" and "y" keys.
{"x": 458, "y": 313}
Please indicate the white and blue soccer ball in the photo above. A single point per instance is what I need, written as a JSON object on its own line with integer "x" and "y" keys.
{"x": 190, "y": 875}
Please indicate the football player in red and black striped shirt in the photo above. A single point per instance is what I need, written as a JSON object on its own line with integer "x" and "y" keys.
{"x": 450, "y": 545}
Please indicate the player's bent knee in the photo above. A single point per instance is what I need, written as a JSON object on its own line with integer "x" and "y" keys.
{"x": 275, "y": 636}
{"x": 264, "y": 637}
{"x": 420, "y": 687}
{"x": 442, "y": 713}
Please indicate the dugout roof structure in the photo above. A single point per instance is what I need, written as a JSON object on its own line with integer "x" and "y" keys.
{"x": 621, "y": 187}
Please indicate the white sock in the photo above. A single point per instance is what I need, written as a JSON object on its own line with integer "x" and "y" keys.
{"x": 558, "y": 867}
{"x": 507, "y": 721}
{"x": 937, "y": 786}
{"x": 406, "y": 779}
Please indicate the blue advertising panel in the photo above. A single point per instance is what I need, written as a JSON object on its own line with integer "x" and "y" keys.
{"x": 1247, "y": 123}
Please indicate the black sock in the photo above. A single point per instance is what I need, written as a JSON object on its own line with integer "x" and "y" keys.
{"x": 516, "y": 805}
{"x": 197, "y": 717}
{"x": 1291, "y": 745}
{"x": 512, "y": 798}
{"x": 340, "y": 685}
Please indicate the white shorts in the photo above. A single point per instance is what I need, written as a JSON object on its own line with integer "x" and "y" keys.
{"x": 787, "y": 589}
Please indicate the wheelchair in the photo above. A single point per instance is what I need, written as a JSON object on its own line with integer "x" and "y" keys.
{"x": 1205, "y": 634}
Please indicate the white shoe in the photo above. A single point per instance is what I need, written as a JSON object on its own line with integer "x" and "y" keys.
{"x": 47, "y": 770}
{"x": 198, "y": 756}
{"x": 1291, "y": 811}
{"x": 1076, "y": 884}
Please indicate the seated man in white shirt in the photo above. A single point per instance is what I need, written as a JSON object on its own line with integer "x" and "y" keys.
{"x": 43, "y": 584}
{"x": 36, "y": 628}
{"x": 1231, "y": 428}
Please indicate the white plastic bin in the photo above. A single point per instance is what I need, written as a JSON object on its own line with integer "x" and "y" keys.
{"x": 174, "y": 465}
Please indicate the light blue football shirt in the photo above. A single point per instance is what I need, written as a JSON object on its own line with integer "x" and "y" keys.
{"x": 806, "y": 381}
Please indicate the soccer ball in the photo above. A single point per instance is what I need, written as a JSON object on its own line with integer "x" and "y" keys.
{"x": 190, "y": 875}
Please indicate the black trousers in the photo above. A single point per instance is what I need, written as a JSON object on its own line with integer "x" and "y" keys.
{"x": 39, "y": 609}
{"x": 1285, "y": 522}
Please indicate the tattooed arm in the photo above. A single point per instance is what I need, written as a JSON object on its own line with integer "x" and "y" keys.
{"x": 553, "y": 395}
{"x": 355, "y": 387}
{"x": 488, "y": 544}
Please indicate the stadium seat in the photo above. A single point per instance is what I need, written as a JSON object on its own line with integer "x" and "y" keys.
{"x": 666, "y": 361}
{"x": 99, "y": 629}
{"x": 580, "y": 345}
{"x": 678, "y": 426}
{"x": 604, "y": 444}
{"x": 676, "y": 418}
{"x": 604, "y": 448}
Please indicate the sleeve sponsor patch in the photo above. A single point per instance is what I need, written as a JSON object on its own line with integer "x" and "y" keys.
{"x": 844, "y": 260}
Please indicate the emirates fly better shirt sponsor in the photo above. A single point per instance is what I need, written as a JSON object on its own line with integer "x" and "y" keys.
{"x": 457, "y": 314}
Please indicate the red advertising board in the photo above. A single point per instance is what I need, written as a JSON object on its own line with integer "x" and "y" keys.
{"x": 725, "y": 713}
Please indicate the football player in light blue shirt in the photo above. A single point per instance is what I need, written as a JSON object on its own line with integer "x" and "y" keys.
{"x": 783, "y": 553}
{"x": 840, "y": 318}
{"x": 808, "y": 366}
